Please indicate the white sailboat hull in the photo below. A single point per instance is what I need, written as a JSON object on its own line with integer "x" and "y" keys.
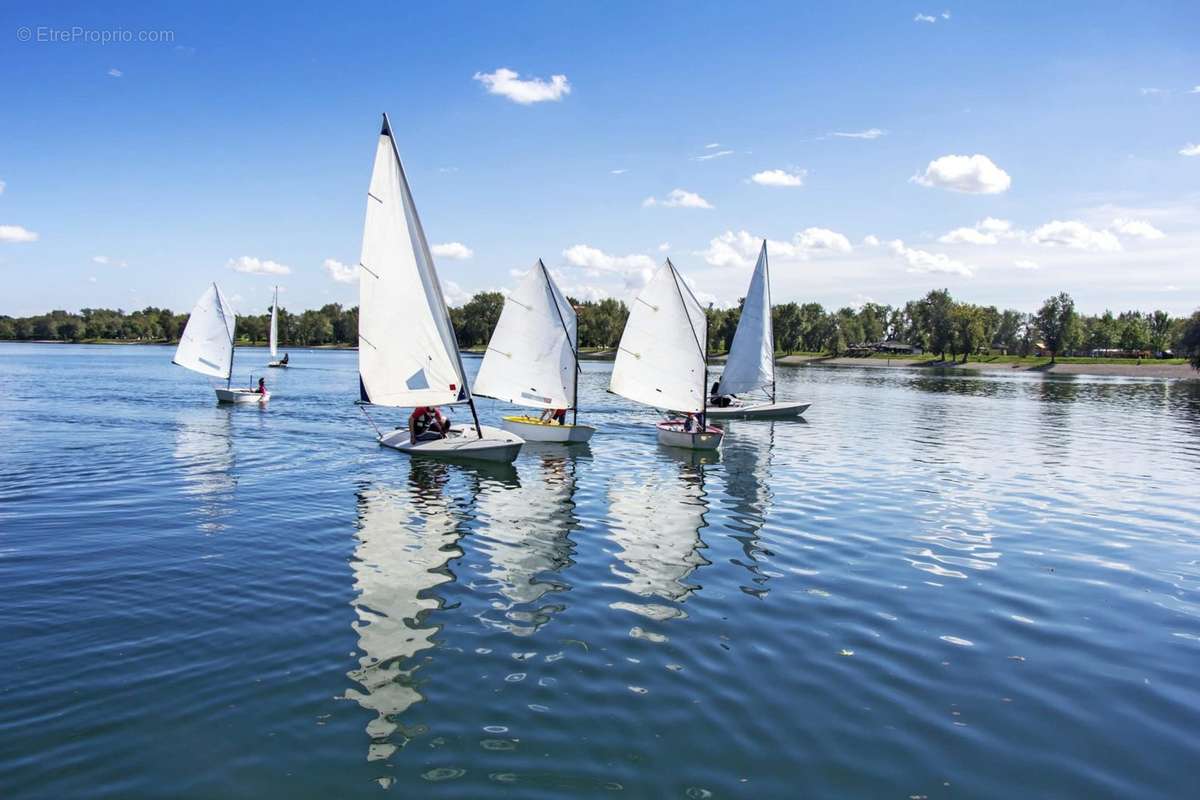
{"x": 757, "y": 410}
{"x": 461, "y": 443}
{"x": 241, "y": 396}
{"x": 672, "y": 434}
{"x": 531, "y": 429}
{"x": 279, "y": 364}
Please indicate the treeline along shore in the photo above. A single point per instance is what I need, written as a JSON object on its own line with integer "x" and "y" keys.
{"x": 933, "y": 327}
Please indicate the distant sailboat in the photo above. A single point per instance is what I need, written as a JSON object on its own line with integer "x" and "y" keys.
{"x": 275, "y": 361}
{"x": 750, "y": 366}
{"x": 407, "y": 353}
{"x": 661, "y": 360}
{"x": 206, "y": 346}
{"x": 533, "y": 359}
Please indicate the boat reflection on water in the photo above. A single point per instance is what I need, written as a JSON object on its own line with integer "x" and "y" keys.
{"x": 525, "y": 534}
{"x": 204, "y": 453}
{"x": 657, "y": 515}
{"x": 747, "y": 463}
{"x": 406, "y": 537}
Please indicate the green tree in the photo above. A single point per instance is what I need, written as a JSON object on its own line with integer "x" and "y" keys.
{"x": 1056, "y": 321}
{"x": 1160, "y": 324}
{"x": 1189, "y": 339}
{"x": 969, "y": 334}
{"x": 937, "y": 319}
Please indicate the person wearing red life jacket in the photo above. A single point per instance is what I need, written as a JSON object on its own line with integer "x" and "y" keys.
{"x": 427, "y": 423}
{"x": 554, "y": 415}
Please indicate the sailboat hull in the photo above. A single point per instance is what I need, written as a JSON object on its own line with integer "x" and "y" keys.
{"x": 531, "y": 429}
{"x": 672, "y": 434}
{"x": 757, "y": 410}
{"x": 241, "y": 396}
{"x": 279, "y": 364}
{"x": 462, "y": 443}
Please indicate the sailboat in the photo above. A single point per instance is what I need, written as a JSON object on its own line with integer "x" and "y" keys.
{"x": 407, "y": 353}
{"x": 750, "y": 366}
{"x": 206, "y": 346}
{"x": 661, "y": 360}
{"x": 533, "y": 360}
{"x": 275, "y": 362}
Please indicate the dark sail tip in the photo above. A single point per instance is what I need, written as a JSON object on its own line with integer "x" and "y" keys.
{"x": 362, "y": 391}
{"x": 387, "y": 129}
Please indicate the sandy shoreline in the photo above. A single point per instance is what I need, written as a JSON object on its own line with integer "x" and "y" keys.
{"x": 1147, "y": 369}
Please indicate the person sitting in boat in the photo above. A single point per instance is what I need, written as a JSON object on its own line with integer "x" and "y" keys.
{"x": 716, "y": 398}
{"x": 284, "y": 360}
{"x": 691, "y": 424}
{"x": 554, "y": 415}
{"x": 426, "y": 423}
{"x": 262, "y": 386}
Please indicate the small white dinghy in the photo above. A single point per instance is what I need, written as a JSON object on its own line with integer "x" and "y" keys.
{"x": 750, "y": 366}
{"x": 661, "y": 360}
{"x": 206, "y": 346}
{"x": 739, "y": 409}
{"x": 673, "y": 434}
{"x": 275, "y": 362}
{"x": 533, "y": 360}
{"x": 407, "y": 354}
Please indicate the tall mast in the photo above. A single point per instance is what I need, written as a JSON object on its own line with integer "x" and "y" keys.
{"x": 437, "y": 286}
{"x": 770, "y": 318}
{"x": 572, "y": 345}
{"x": 704, "y": 382}
{"x": 232, "y": 335}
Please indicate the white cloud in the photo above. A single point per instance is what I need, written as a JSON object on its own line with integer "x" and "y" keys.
{"x": 975, "y": 174}
{"x": 869, "y": 133}
{"x": 106, "y": 261}
{"x": 1137, "y": 228}
{"x": 741, "y": 249}
{"x": 871, "y": 240}
{"x": 456, "y": 250}
{"x": 711, "y": 156}
{"x": 100, "y": 259}
{"x": 1025, "y": 263}
{"x": 678, "y": 198}
{"x": 455, "y": 295}
{"x": 1194, "y": 90}
{"x": 1151, "y": 90}
{"x": 115, "y": 73}
{"x": 92, "y": 279}
{"x": 715, "y": 145}
{"x": 777, "y": 177}
{"x": 1076, "y": 235}
{"x": 15, "y": 233}
{"x": 925, "y": 18}
{"x": 255, "y": 266}
{"x": 945, "y": 15}
{"x": 342, "y": 273}
{"x": 506, "y": 83}
{"x": 2, "y": 185}
{"x": 923, "y": 261}
{"x": 1190, "y": 149}
{"x": 664, "y": 247}
{"x": 618, "y": 171}
{"x": 593, "y": 258}
{"x": 987, "y": 231}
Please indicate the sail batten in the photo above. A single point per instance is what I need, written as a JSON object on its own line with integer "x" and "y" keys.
{"x": 206, "y": 345}
{"x": 751, "y": 362}
{"x": 530, "y": 360}
{"x": 660, "y": 359}
{"x": 413, "y": 359}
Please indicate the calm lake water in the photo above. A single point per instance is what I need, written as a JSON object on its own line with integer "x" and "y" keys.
{"x": 950, "y": 586}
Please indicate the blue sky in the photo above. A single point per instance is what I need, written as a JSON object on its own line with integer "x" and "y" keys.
{"x": 1005, "y": 151}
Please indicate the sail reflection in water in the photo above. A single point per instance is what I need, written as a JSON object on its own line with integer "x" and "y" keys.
{"x": 525, "y": 535}
{"x": 657, "y": 517}
{"x": 204, "y": 453}
{"x": 405, "y": 540}
{"x": 747, "y": 464}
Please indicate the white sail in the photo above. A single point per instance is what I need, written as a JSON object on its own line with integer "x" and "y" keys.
{"x": 530, "y": 360}
{"x": 206, "y": 345}
{"x": 660, "y": 361}
{"x": 275, "y": 324}
{"x": 751, "y": 362}
{"x": 407, "y": 353}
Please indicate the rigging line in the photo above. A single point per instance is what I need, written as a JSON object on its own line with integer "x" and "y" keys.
{"x": 363, "y": 408}
{"x": 368, "y": 269}
{"x": 695, "y": 336}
